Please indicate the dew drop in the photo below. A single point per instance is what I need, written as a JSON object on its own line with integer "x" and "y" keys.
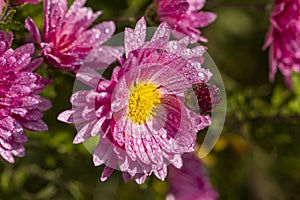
{"x": 201, "y": 75}
{"x": 106, "y": 31}
{"x": 175, "y": 47}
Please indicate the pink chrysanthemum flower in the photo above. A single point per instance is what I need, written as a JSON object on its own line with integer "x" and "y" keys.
{"x": 67, "y": 37}
{"x": 139, "y": 113}
{"x": 20, "y": 105}
{"x": 191, "y": 182}
{"x": 283, "y": 38}
{"x": 17, "y": 2}
{"x": 184, "y": 17}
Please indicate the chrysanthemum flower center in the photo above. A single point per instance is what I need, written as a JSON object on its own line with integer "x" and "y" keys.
{"x": 143, "y": 99}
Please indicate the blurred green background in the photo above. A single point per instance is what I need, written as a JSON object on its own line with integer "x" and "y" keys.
{"x": 257, "y": 156}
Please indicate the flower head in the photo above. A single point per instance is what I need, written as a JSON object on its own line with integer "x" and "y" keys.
{"x": 191, "y": 182}
{"x": 139, "y": 114}
{"x": 184, "y": 17}
{"x": 67, "y": 37}
{"x": 20, "y": 105}
{"x": 283, "y": 38}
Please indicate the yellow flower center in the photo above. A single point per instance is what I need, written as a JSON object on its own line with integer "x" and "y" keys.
{"x": 143, "y": 99}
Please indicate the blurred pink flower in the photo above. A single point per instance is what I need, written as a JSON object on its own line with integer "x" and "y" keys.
{"x": 20, "y": 105}
{"x": 28, "y": 1}
{"x": 67, "y": 37}
{"x": 283, "y": 38}
{"x": 191, "y": 182}
{"x": 2, "y": 5}
{"x": 184, "y": 17}
{"x": 139, "y": 113}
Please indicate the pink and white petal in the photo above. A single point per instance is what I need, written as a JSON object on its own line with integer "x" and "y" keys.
{"x": 101, "y": 57}
{"x": 107, "y": 171}
{"x": 174, "y": 159}
{"x": 123, "y": 161}
{"x": 133, "y": 39}
{"x": 79, "y": 98}
{"x": 6, "y": 144}
{"x": 196, "y": 5}
{"x": 161, "y": 173}
{"x": 138, "y": 143}
{"x": 140, "y": 178}
{"x": 96, "y": 130}
{"x": 175, "y": 46}
{"x": 7, "y": 155}
{"x": 19, "y": 150}
{"x": 66, "y": 116}
{"x": 77, "y": 4}
{"x": 153, "y": 151}
{"x": 103, "y": 153}
{"x": 84, "y": 133}
{"x": 161, "y": 36}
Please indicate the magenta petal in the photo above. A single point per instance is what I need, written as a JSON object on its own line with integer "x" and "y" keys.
{"x": 184, "y": 18}
{"x": 107, "y": 171}
{"x": 33, "y": 65}
{"x": 161, "y": 35}
{"x": 38, "y": 125}
{"x": 140, "y": 178}
{"x": 174, "y": 9}
{"x": 203, "y": 19}
{"x": 126, "y": 177}
{"x": 33, "y": 29}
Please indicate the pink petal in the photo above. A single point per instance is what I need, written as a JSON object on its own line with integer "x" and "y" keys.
{"x": 33, "y": 29}
{"x": 107, "y": 171}
{"x": 135, "y": 38}
{"x": 66, "y": 116}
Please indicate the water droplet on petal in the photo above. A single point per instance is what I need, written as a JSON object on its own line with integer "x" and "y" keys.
{"x": 175, "y": 46}
{"x": 107, "y": 30}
